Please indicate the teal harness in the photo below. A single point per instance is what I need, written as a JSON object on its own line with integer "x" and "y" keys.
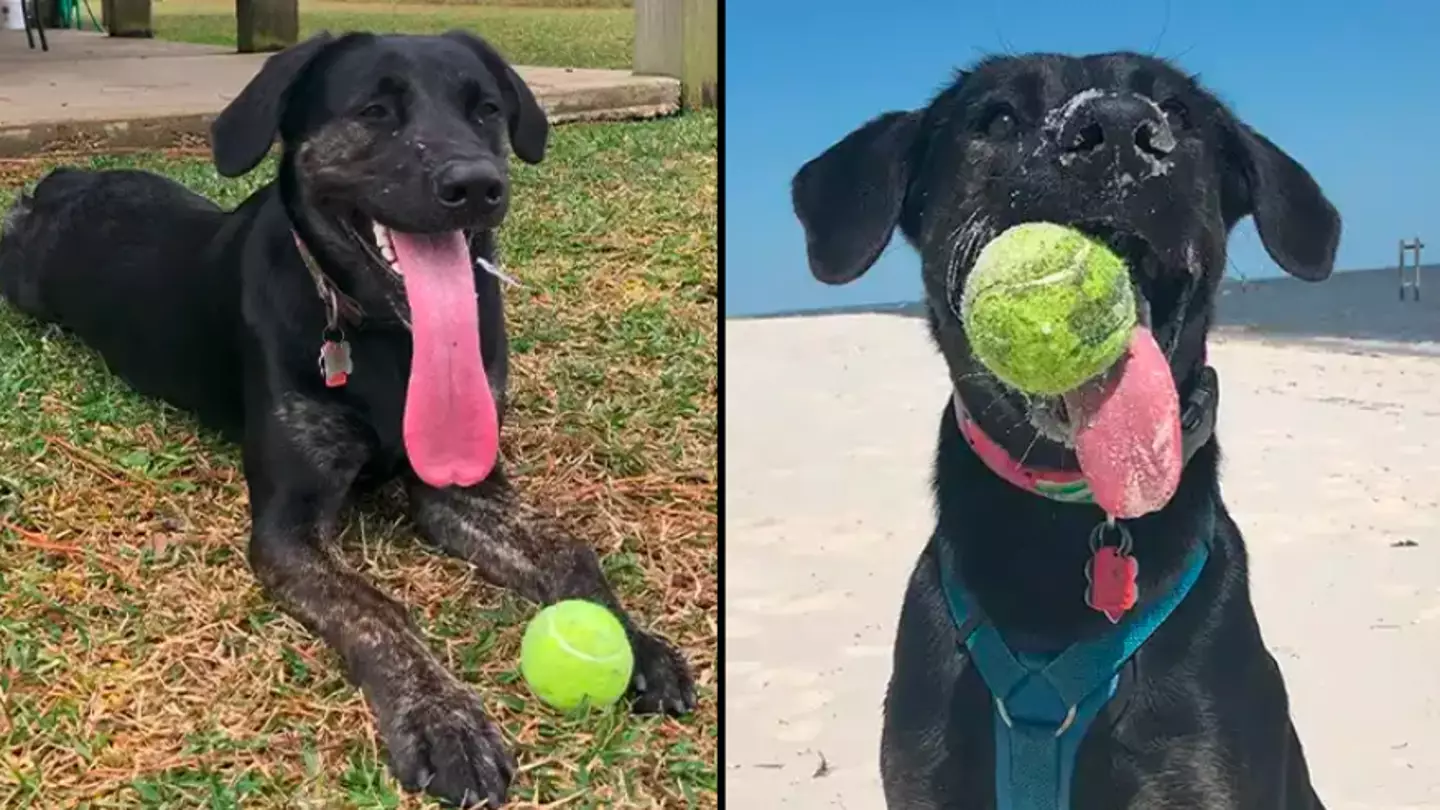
{"x": 1045, "y": 703}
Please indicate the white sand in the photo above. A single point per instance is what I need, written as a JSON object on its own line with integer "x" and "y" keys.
{"x": 1332, "y": 457}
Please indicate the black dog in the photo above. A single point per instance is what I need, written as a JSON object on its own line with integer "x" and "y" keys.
{"x": 375, "y": 242}
{"x": 1135, "y": 153}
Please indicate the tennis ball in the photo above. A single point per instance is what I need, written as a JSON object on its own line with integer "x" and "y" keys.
{"x": 1047, "y": 308}
{"x": 576, "y": 652}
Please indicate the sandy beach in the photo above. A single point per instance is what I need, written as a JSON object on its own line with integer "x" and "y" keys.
{"x": 1332, "y": 470}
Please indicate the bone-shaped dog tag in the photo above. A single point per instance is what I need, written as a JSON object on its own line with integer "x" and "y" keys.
{"x": 335, "y": 364}
{"x": 1112, "y": 574}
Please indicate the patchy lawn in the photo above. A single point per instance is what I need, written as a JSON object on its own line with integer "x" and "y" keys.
{"x": 139, "y": 664}
{"x": 584, "y": 35}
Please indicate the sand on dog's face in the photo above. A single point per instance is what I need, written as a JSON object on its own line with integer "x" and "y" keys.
{"x": 1122, "y": 147}
{"x": 1161, "y": 208}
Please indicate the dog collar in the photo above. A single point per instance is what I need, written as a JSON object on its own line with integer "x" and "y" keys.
{"x": 335, "y": 363}
{"x": 1197, "y": 425}
{"x": 338, "y": 305}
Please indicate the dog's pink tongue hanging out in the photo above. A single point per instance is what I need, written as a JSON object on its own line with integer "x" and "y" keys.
{"x": 451, "y": 428}
{"x": 1127, "y": 435}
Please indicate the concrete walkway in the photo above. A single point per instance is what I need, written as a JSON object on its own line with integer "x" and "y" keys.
{"x": 1331, "y": 464}
{"x": 129, "y": 92}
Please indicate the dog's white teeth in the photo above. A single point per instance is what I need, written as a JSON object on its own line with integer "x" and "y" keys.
{"x": 382, "y": 238}
{"x": 386, "y": 245}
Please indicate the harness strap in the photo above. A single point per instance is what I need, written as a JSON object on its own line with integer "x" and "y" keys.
{"x": 1044, "y": 704}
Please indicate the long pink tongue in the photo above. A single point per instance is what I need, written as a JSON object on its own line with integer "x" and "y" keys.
{"x": 451, "y": 429}
{"x": 1128, "y": 435}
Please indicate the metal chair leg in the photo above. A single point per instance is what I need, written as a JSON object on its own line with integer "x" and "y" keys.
{"x": 39, "y": 25}
{"x": 25, "y": 20}
{"x": 31, "y": 16}
{"x": 31, "y": 13}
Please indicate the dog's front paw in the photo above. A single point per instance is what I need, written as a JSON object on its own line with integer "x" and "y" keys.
{"x": 662, "y": 681}
{"x": 440, "y": 741}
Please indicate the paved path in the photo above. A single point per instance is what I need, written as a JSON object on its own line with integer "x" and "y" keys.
{"x": 1333, "y": 458}
{"x": 132, "y": 92}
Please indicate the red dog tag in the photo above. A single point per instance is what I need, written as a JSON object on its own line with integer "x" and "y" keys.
{"x": 1112, "y": 575}
{"x": 335, "y": 364}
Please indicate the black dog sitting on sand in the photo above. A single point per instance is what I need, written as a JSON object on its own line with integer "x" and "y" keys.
{"x": 1009, "y": 690}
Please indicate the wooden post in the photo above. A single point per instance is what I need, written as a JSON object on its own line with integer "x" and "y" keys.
{"x": 127, "y": 18}
{"x": 700, "y": 80}
{"x": 1412, "y": 286}
{"x": 681, "y": 39}
{"x": 266, "y": 25}
{"x": 1401, "y": 268}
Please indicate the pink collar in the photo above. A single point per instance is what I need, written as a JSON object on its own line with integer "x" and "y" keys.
{"x": 1057, "y": 485}
{"x": 1069, "y": 486}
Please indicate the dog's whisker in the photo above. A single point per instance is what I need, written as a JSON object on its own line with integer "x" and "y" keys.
{"x": 994, "y": 402}
{"x": 972, "y": 232}
{"x": 1025, "y": 456}
{"x": 952, "y": 263}
{"x": 494, "y": 269}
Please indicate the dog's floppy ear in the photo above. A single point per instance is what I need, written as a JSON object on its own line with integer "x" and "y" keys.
{"x": 1298, "y": 226}
{"x": 242, "y": 134}
{"x": 529, "y": 128}
{"x": 849, "y": 198}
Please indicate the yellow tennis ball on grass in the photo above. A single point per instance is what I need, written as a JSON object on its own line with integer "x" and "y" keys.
{"x": 576, "y": 652}
{"x": 1047, "y": 308}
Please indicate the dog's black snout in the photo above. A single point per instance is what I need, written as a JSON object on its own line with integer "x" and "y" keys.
{"x": 463, "y": 183}
{"x": 1116, "y": 121}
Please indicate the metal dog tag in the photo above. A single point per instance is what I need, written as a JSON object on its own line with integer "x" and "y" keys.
{"x": 335, "y": 364}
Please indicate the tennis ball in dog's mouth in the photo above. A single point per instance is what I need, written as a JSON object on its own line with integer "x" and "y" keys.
{"x": 1047, "y": 308}
{"x": 576, "y": 652}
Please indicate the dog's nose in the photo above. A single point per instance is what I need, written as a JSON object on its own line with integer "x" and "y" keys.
{"x": 1116, "y": 121}
{"x": 469, "y": 182}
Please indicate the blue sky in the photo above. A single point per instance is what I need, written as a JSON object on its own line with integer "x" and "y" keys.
{"x": 1350, "y": 88}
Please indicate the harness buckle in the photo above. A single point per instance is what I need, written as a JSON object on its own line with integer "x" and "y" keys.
{"x": 1064, "y": 724}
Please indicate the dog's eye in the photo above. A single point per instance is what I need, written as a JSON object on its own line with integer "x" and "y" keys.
{"x": 1176, "y": 113}
{"x": 375, "y": 112}
{"x": 487, "y": 109}
{"x": 999, "y": 123}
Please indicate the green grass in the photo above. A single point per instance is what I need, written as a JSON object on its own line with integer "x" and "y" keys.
{"x": 588, "y": 37}
{"x": 140, "y": 665}
{"x": 555, "y": 4}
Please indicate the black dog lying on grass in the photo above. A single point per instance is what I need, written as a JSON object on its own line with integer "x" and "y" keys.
{"x": 374, "y": 251}
{"x": 1062, "y": 708}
